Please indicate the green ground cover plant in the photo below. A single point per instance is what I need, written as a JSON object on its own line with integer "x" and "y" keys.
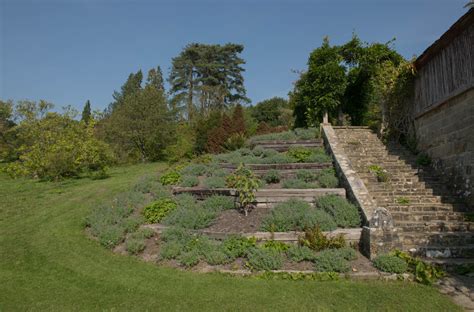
{"x": 272, "y": 176}
{"x": 159, "y": 209}
{"x": 215, "y": 182}
{"x": 191, "y": 214}
{"x": 265, "y": 259}
{"x": 334, "y": 260}
{"x": 390, "y": 264}
{"x": 296, "y": 134}
{"x": 296, "y": 215}
{"x": 344, "y": 213}
{"x": 47, "y": 263}
{"x": 189, "y": 181}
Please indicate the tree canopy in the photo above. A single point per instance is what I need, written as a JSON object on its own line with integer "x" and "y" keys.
{"x": 342, "y": 80}
{"x": 207, "y": 77}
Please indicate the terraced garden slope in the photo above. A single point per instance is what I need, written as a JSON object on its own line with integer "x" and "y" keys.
{"x": 47, "y": 263}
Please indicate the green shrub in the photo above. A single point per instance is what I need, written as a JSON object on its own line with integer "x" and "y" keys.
{"x": 195, "y": 170}
{"x": 189, "y": 259}
{"x": 344, "y": 213}
{"x": 299, "y": 154}
{"x": 318, "y": 157}
{"x": 55, "y": 147}
{"x": 347, "y": 253}
{"x": 297, "y": 184}
{"x": 258, "y": 151}
{"x": 300, "y": 253}
{"x": 218, "y": 203}
{"x": 327, "y": 178}
{"x": 171, "y": 177}
{"x": 316, "y": 240}
{"x": 391, "y": 264}
{"x": 296, "y": 134}
{"x": 216, "y": 257}
{"x": 215, "y": 182}
{"x": 219, "y": 172}
{"x": 331, "y": 260}
{"x": 159, "y": 209}
{"x": 132, "y": 223}
{"x": 195, "y": 218}
{"x": 111, "y": 235}
{"x": 170, "y": 250}
{"x": 264, "y": 259}
{"x": 246, "y": 184}
{"x": 185, "y": 200}
{"x": 237, "y": 246}
{"x": 272, "y": 176}
{"x": 275, "y": 245}
{"x": 197, "y": 215}
{"x": 134, "y": 245}
{"x": 176, "y": 234}
{"x": 296, "y": 215}
{"x": 189, "y": 181}
{"x": 306, "y": 175}
{"x": 143, "y": 233}
{"x": 425, "y": 273}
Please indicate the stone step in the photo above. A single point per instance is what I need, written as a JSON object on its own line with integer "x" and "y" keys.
{"x": 400, "y": 193}
{"x": 436, "y": 251}
{"x": 437, "y": 238}
{"x": 409, "y": 226}
{"x": 413, "y": 199}
{"x": 420, "y": 207}
{"x": 427, "y": 216}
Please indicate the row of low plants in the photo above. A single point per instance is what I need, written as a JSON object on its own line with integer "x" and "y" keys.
{"x": 188, "y": 249}
{"x": 292, "y": 135}
{"x": 304, "y": 179}
{"x": 260, "y": 155}
{"x": 329, "y": 212}
{"x": 212, "y": 176}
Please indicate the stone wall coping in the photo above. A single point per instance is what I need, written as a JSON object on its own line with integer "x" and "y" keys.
{"x": 357, "y": 189}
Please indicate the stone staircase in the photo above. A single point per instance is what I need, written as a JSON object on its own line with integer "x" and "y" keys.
{"x": 430, "y": 221}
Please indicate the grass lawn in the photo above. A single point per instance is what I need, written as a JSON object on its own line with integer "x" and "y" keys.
{"x": 47, "y": 263}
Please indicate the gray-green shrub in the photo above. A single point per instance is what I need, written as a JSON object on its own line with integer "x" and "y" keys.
{"x": 299, "y": 253}
{"x": 344, "y": 213}
{"x": 265, "y": 259}
{"x": 218, "y": 203}
{"x": 298, "y": 184}
{"x": 306, "y": 175}
{"x": 135, "y": 245}
{"x": 237, "y": 246}
{"x": 390, "y": 264}
{"x": 214, "y": 182}
{"x": 195, "y": 170}
{"x": 272, "y": 176}
{"x": 296, "y": 215}
{"x": 334, "y": 260}
{"x": 189, "y": 181}
{"x": 170, "y": 250}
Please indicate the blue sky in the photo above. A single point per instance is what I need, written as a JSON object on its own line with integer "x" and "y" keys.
{"x": 69, "y": 51}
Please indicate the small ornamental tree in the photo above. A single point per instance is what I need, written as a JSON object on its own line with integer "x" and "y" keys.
{"x": 246, "y": 184}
